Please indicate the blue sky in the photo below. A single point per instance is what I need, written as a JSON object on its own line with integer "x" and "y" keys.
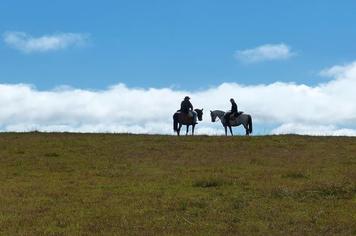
{"x": 183, "y": 44}
{"x": 93, "y": 66}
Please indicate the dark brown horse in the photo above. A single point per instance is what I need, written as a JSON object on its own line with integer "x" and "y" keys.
{"x": 180, "y": 118}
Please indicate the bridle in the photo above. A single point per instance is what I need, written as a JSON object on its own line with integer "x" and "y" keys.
{"x": 216, "y": 117}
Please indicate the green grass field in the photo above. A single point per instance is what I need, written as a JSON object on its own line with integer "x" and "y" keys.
{"x": 106, "y": 184}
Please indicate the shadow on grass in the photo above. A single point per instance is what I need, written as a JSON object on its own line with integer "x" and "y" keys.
{"x": 295, "y": 175}
{"x": 209, "y": 183}
{"x": 320, "y": 192}
{"x": 51, "y": 154}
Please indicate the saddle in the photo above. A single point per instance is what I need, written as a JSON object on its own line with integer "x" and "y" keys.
{"x": 234, "y": 117}
{"x": 187, "y": 117}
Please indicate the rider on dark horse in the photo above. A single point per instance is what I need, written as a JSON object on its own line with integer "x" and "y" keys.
{"x": 232, "y": 113}
{"x": 187, "y": 108}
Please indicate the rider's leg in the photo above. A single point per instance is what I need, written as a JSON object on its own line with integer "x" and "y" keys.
{"x": 195, "y": 117}
{"x": 193, "y": 114}
{"x": 227, "y": 118}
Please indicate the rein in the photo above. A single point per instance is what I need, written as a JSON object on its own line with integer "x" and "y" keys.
{"x": 217, "y": 118}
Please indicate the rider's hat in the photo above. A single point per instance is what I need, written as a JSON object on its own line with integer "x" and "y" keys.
{"x": 231, "y": 100}
{"x": 186, "y": 98}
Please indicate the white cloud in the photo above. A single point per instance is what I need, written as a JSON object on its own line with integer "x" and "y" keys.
{"x": 347, "y": 70}
{"x": 28, "y": 44}
{"x": 267, "y": 52}
{"x": 325, "y": 109}
{"x": 306, "y": 129}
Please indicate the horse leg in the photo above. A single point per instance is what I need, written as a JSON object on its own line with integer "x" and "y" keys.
{"x": 230, "y": 130}
{"x": 246, "y": 128}
{"x": 193, "y": 129}
{"x": 225, "y": 130}
{"x": 178, "y": 131}
{"x": 187, "y": 130}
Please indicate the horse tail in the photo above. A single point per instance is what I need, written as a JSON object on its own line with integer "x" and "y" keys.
{"x": 250, "y": 124}
{"x": 175, "y": 122}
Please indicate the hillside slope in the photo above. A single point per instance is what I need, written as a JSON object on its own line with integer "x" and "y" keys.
{"x": 65, "y": 183}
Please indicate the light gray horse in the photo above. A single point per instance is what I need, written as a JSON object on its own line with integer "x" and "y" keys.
{"x": 244, "y": 119}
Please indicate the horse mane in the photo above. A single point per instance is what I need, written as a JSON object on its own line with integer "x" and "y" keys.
{"x": 219, "y": 111}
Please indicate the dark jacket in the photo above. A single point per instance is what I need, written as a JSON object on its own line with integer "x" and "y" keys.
{"x": 185, "y": 106}
{"x": 234, "y": 108}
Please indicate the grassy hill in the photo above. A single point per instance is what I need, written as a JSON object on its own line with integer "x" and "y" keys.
{"x": 60, "y": 184}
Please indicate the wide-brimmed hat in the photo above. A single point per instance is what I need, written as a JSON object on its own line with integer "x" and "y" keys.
{"x": 186, "y": 98}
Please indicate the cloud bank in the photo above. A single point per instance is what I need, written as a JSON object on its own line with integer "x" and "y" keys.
{"x": 267, "y": 52}
{"x": 325, "y": 109}
{"x": 28, "y": 44}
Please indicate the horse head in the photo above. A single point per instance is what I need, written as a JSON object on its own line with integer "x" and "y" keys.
{"x": 213, "y": 116}
{"x": 199, "y": 114}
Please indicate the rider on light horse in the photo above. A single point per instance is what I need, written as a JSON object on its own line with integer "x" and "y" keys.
{"x": 233, "y": 113}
